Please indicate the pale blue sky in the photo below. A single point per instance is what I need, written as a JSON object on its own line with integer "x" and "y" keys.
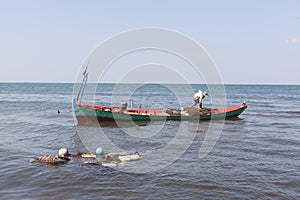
{"x": 250, "y": 41}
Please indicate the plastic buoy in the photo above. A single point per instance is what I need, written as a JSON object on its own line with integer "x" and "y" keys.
{"x": 99, "y": 151}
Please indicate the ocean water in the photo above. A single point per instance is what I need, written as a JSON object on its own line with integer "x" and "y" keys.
{"x": 255, "y": 157}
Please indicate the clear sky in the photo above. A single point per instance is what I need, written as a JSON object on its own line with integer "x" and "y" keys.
{"x": 250, "y": 41}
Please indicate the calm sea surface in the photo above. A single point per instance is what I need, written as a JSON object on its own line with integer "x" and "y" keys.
{"x": 255, "y": 157}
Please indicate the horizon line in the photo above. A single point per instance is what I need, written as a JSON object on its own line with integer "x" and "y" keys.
{"x": 193, "y": 83}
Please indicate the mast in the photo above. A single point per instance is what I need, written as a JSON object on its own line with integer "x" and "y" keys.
{"x": 82, "y": 86}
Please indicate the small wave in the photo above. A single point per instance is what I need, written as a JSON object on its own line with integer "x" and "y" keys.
{"x": 294, "y": 112}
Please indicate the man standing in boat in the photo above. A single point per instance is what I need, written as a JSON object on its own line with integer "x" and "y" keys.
{"x": 198, "y": 97}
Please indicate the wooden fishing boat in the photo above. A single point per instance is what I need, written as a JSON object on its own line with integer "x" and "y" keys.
{"x": 89, "y": 114}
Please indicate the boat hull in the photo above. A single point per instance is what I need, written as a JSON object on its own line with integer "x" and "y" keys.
{"x": 89, "y": 114}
